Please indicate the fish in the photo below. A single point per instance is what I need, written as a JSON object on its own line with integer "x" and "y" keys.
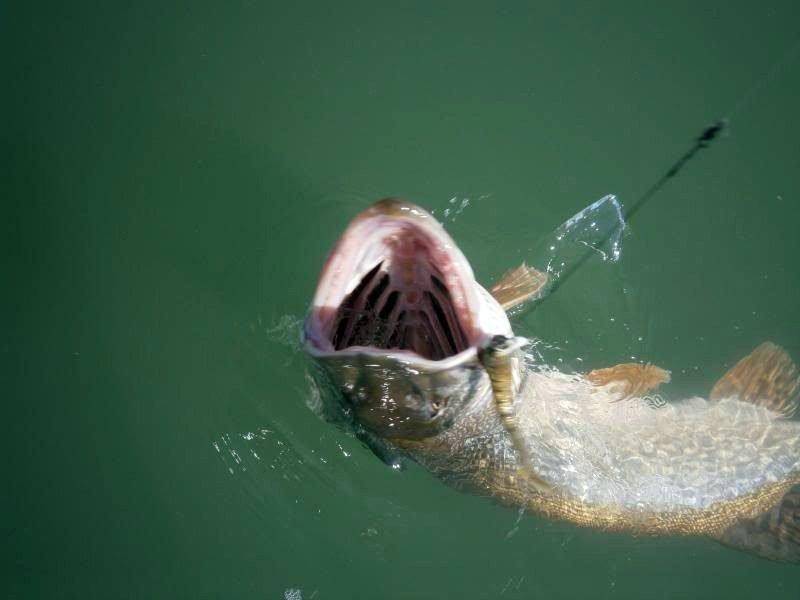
{"x": 426, "y": 366}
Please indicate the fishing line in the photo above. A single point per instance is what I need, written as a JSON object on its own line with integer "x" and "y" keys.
{"x": 745, "y": 99}
{"x": 708, "y": 135}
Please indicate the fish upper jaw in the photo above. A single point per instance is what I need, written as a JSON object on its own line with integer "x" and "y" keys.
{"x": 396, "y": 284}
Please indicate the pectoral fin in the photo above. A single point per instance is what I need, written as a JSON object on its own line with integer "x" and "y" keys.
{"x": 381, "y": 449}
{"x": 630, "y": 379}
{"x": 766, "y": 376}
{"x": 518, "y": 285}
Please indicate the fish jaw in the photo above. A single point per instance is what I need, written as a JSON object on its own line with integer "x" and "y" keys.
{"x": 398, "y": 399}
{"x": 396, "y": 283}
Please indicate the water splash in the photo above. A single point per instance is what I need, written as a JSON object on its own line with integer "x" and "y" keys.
{"x": 595, "y": 230}
{"x": 287, "y": 331}
{"x": 457, "y": 205}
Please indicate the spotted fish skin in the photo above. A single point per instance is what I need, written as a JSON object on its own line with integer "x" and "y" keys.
{"x": 695, "y": 467}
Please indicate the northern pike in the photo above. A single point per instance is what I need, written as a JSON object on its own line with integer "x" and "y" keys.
{"x": 427, "y": 364}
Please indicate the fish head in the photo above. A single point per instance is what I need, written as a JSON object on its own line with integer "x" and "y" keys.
{"x": 398, "y": 322}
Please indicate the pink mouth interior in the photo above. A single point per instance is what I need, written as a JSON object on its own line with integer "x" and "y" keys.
{"x": 404, "y": 302}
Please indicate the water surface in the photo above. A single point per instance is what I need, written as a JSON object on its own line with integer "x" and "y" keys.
{"x": 174, "y": 177}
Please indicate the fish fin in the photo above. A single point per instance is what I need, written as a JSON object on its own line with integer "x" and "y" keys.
{"x": 384, "y": 451}
{"x": 630, "y": 379}
{"x": 774, "y": 535}
{"x": 766, "y": 377}
{"x": 518, "y": 285}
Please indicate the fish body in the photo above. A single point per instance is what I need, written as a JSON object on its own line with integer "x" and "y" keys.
{"x": 418, "y": 349}
{"x": 689, "y": 467}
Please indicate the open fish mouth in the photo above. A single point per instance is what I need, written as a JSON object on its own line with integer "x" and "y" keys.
{"x": 395, "y": 283}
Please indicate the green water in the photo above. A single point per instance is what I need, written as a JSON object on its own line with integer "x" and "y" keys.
{"x": 173, "y": 177}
